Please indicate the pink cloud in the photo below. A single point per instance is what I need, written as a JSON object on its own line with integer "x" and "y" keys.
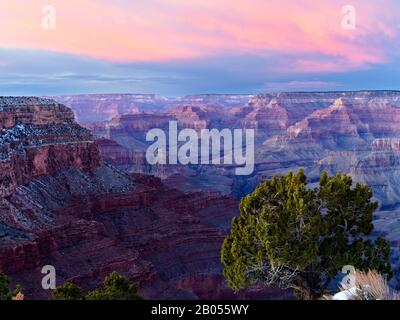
{"x": 160, "y": 30}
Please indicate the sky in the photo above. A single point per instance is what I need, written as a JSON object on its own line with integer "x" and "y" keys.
{"x": 179, "y": 47}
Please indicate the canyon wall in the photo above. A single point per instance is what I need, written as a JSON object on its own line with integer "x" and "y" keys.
{"x": 62, "y": 205}
{"x": 353, "y": 132}
{"x": 100, "y": 107}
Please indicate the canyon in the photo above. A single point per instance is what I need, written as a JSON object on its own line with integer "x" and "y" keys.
{"x": 62, "y": 204}
{"x": 353, "y": 132}
{"x": 77, "y": 192}
{"x": 100, "y": 107}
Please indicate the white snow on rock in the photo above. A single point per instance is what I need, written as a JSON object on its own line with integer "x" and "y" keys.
{"x": 349, "y": 294}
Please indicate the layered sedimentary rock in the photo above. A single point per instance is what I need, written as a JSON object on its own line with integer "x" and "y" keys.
{"x": 40, "y": 137}
{"x": 33, "y": 111}
{"x": 61, "y": 205}
{"x": 122, "y": 157}
{"x": 101, "y": 107}
{"x": 97, "y": 107}
{"x": 347, "y": 131}
{"x": 353, "y": 132}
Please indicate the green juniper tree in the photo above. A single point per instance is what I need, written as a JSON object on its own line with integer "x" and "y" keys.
{"x": 68, "y": 291}
{"x": 5, "y": 292}
{"x": 115, "y": 287}
{"x": 291, "y": 236}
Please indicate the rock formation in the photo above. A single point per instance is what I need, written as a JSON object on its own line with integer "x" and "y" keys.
{"x": 62, "y": 205}
{"x": 101, "y": 107}
{"x": 353, "y": 132}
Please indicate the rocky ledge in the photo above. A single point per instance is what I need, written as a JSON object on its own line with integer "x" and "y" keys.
{"x": 39, "y": 137}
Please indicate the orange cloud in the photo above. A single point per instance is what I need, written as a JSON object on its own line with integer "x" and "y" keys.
{"x": 158, "y": 30}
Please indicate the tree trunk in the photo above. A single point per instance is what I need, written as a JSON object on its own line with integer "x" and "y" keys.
{"x": 307, "y": 287}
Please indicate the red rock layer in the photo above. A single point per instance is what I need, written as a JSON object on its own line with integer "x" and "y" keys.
{"x": 61, "y": 205}
{"x": 34, "y": 111}
{"x": 157, "y": 236}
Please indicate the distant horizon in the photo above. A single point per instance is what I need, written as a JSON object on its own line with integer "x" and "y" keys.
{"x": 225, "y": 94}
{"x": 203, "y": 94}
